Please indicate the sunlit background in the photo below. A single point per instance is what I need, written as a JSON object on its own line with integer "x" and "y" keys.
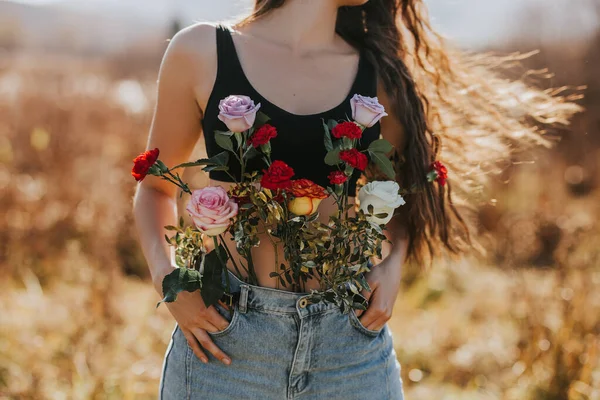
{"x": 77, "y": 315}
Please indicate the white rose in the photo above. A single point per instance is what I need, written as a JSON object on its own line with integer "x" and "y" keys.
{"x": 383, "y": 196}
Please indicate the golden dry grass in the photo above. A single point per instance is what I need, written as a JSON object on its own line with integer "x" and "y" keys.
{"x": 77, "y": 316}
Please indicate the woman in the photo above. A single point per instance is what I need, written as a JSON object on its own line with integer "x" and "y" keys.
{"x": 303, "y": 61}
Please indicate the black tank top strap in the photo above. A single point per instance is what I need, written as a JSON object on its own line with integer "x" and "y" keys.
{"x": 228, "y": 62}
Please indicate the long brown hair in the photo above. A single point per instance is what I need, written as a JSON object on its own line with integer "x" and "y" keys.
{"x": 441, "y": 93}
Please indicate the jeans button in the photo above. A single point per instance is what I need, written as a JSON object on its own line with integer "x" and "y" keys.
{"x": 303, "y": 302}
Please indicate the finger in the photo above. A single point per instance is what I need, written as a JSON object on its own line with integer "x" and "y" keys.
{"x": 209, "y": 345}
{"x": 372, "y": 314}
{"x": 377, "y": 325}
{"x": 191, "y": 339}
{"x": 215, "y": 319}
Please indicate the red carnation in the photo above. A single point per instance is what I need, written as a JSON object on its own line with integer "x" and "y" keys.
{"x": 277, "y": 176}
{"x": 143, "y": 163}
{"x": 347, "y": 129}
{"x": 441, "y": 172}
{"x": 263, "y": 135}
{"x": 337, "y": 177}
{"x": 354, "y": 158}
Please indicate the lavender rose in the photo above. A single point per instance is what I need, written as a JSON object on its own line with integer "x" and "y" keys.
{"x": 238, "y": 112}
{"x": 211, "y": 210}
{"x": 366, "y": 110}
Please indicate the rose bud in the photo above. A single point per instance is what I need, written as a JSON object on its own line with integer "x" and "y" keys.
{"x": 211, "y": 210}
{"x": 383, "y": 196}
{"x": 366, "y": 110}
{"x": 238, "y": 112}
{"x": 307, "y": 196}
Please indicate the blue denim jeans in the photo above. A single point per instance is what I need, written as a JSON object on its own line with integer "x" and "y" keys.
{"x": 281, "y": 348}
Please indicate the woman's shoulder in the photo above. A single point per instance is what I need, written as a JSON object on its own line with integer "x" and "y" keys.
{"x": 197, "y": 41}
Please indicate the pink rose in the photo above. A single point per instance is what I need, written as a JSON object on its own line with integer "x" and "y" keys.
{"x": 238, "y": 112}
{"x": 366, "y": 110}
{"x": 211, "y": 210}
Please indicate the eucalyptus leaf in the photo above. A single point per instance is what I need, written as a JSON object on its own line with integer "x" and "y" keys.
{"x": 333, "y": 157}
{"x": 224, "y": 142}
{"x": 327, "y": 138}
{"x": 209, "y": 168}
{"x": 381, "y": 146}
{"x": 332, "y": 123}
{"x": 383, "y": 163}
{"x": 261, "y": 119}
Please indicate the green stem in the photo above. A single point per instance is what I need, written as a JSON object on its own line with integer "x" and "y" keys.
{"x": 230, "y": 256}
{"x": 224, "y": 263}
{"x": 274, "y": 248}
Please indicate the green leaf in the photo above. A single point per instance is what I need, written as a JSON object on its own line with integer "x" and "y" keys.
{"x": 209, "y": 168}
{"x": 226, "y": 133}
{"x": 250, "y": 152}
{"x": 177, "y": 281}
{"x": 333, "y": 157}
{"x": 224, "y": 141}
{"x": 370, "y": 208}
{"x": 332, "y": 123}
{"x": 383, "y": 163}
{"x": 171, "y": 228}
{"x": 212, "y": 284}
{"x": 327, "y": 138}
{"x": 261, "y": 119}
{"x": 381, "y": 215}
{"x": 238, "y": 138}
{"x": 381, "y": 146}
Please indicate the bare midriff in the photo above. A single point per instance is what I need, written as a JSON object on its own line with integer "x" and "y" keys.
{"x": 263, "y": 256}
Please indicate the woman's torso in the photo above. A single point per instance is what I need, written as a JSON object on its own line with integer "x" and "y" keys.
{"x": 301, "y": 93}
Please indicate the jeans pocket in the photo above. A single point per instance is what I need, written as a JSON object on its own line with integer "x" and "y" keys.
{"x": 227, "y": 315}
{"x": 358, "y": 325}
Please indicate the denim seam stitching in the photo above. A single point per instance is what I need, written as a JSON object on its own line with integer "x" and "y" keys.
{"x": 291, "y": 389}
{"x": 279, "y": 312}
{"x": 188, "y": 372}
{"x": 164, "y": 369}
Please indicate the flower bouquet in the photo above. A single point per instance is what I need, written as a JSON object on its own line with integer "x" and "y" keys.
{"x": 272, "y": 204}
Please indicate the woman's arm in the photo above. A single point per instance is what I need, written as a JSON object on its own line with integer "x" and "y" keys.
{"x": 184, "y": 80}
{"x": 384, "y": 278}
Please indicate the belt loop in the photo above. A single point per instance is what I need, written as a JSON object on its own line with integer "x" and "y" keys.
{"x": 243, "y": 302}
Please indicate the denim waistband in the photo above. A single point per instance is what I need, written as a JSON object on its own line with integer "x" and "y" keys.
{"x": 273, "y": 300}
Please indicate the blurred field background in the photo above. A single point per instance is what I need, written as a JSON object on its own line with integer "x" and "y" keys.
{"x": 77, "y": 316}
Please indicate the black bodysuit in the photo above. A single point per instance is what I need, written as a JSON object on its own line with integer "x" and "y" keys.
{"x": 299, "y": 140}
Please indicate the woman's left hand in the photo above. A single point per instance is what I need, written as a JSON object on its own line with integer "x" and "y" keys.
{"x": 384, "y": 280}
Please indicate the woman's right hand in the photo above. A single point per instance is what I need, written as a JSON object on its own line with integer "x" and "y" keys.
{"x": 194, "y": 320}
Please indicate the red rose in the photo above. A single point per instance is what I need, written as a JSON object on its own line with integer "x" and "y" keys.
{"x": 354, "y": 158}
{"x": 277, "y": 176}
{"x": 347, "y": 129}
{"x": 142, "y": 164}
{"x": 442, "y": 172}
{"x": 263, "y": 135}
{"x": 337, "y": 177}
